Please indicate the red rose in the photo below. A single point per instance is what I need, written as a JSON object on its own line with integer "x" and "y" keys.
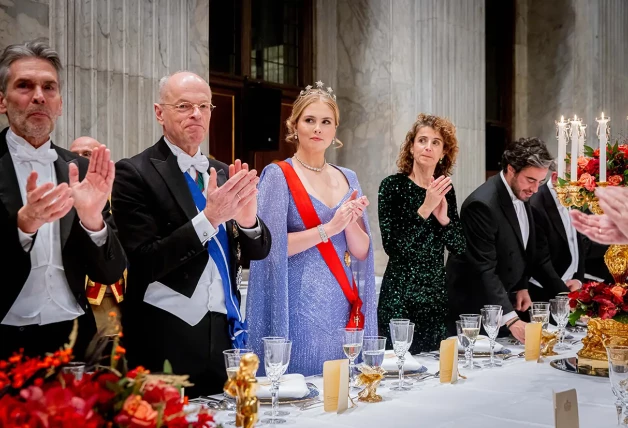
{"x": 587, "y": 181}
{"x": 583, "y": 162}
{"x": 624, "y": 149}
{"x": 593, "y": 167}
{"x": 614, "y": 180}
{"x": 137, "y": 413}
{"x": 596, "y": 153}
{"x": 573, "y": 304}
{"x": 158, "y": 392}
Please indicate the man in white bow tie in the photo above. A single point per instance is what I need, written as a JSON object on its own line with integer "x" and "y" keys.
{"x": 55, "y": 225}
{"x": 185, "y": 221}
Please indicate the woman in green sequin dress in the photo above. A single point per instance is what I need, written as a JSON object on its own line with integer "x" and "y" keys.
{"x": 418, "y": 218}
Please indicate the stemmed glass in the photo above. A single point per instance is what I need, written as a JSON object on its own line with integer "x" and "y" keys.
{"x": 352, "y": 339}
{"x": 618, "y": 373}
{"x": 401, "y": 335}
{"x": 373, "y": 351}
{"x": 274, "y": 351}
{"x": 491, "y": 320}
{"x": 469, "y": 327}
{"x": 540, "y": 312}
{"x": 560, "y": 310}
{"x": 232, "y": 364}
{"x": 76, "y": 369}
{"x": 284, "y": 368}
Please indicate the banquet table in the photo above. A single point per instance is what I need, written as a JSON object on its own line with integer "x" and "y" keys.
{"x": 519, "y": 394}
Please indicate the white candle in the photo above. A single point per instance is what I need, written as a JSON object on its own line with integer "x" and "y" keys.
{"x": 562, "y": 147}
{"x": 575, "y": 128}
{"x": 601, "y": 133}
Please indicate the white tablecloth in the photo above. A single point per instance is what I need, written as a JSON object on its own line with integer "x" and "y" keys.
{"x": 519, "y": 394}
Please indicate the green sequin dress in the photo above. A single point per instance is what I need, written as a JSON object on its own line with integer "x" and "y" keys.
{"x": 414, "y": 282}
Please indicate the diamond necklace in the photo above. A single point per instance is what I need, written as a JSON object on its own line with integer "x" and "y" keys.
{"x": 311, "y": 168}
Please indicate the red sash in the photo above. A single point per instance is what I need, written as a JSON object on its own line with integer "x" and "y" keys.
{"x": 328, "y": 252}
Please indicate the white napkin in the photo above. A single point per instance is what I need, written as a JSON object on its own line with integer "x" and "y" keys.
{"x": 482, "y": 344}
{"x": 390, "y": 362}
{"x": 290, "y": 386}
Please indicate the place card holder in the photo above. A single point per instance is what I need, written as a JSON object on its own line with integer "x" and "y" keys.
{"x": 566, "y": 409}
{"x": 336, "y": 385}
{"x": 533, "y": 341}
{"x": 448, "y": 360}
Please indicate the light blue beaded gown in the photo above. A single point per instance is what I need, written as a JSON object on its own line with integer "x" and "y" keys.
{"x": 298, "y": 297}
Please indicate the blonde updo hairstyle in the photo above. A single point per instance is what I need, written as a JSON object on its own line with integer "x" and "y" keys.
{"x": 301, "y": 104}
{"x": 446, "y": 129}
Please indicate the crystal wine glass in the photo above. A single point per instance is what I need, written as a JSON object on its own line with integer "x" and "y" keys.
{"x": 401, "y": 336}
{"x": 284, "y": 368}
{"x": 274, "y": 351}
{"x": 618, "y": 373}
{"x": 352, "y": 339}
{"x": 491, "y": 320}
{"x": 540, "y": 308}
{"x": 468, "y": 353}
{"x": 560, "y": 310}
{"x": 232, "y": 364}
{"x": 470, "y": 330}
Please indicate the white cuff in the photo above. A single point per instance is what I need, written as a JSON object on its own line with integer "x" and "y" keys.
{"x": 252, "y": 233}
{"x": 26, "y": 239}
{"x": 203, "y": 227}
{"x": 507, "y": 317}
{"x": 99, "y": 238}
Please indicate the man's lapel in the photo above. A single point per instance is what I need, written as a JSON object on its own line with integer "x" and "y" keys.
{"x": 166, "y": 165}
{"x": 62, "y": 166}
{"x": 9, "y": 187}
{"x": 508, "y": 209}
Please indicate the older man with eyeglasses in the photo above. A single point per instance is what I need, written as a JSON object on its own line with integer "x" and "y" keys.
{"x": 185, "y": 221}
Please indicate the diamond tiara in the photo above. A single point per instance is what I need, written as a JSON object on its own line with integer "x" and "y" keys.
{"x": 328, "y": 92}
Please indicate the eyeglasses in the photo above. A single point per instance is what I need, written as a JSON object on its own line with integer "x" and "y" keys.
{"x": 188, "y": 107}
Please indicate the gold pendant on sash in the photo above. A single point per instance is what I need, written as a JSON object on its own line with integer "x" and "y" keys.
{"x": 347, "y": 259}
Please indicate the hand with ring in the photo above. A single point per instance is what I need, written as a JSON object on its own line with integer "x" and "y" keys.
{"x": 598, "y": 228}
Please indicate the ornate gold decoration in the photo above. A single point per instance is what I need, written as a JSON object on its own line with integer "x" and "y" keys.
{"x": 571, "y": 196}
{"x": 600, "y": 334}
{"x": 548, "y": 341}
{"x": 243, "y": 386}
{"x": 616, "y": 260}
{"x": 347, "y": 259}
{"x": 370, "y": 378}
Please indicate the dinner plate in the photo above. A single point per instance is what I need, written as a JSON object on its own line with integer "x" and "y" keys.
{"x": 313, "y": 394}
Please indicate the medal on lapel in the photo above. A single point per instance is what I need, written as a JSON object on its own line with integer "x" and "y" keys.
{"x": 234, "y": 229}
{"x": 238, "y": 277}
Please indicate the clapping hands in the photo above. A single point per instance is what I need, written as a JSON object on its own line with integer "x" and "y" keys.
{"x": 435, "y": 202}
{"x": 349, "y": 212}
{"x": 612, "y": 226}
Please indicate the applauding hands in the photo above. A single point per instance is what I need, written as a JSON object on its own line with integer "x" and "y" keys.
{"x": 349, "y": 212}
{"x": 435, "y": 202}
{"x": 612, "y": 226}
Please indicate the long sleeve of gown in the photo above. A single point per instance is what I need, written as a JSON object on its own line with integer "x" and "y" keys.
{"x": 452, "y": 234}
{"x": 400, "y": 225}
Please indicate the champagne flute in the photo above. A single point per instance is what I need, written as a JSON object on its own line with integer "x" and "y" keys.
{"x": 232, "y": 364}
{"x": 618, "y": 374}
{"x": 470, "y": 329}
{"x": 284, "y": 368}
{"x": 491, "y": 320}
{"x": 560, "y": 310}
{"x": 274, "y": 350}
{"x": 401, "y": 336}
{"x": 352, "y": 339}
{"x": 541, "y": 308}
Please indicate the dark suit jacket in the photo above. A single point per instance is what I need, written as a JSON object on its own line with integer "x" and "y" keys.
{"x": 81, "y": 257}
{"x": 550, "y": 232}
{"x": 496, "y": 264}
{"x": 154, "y": 208}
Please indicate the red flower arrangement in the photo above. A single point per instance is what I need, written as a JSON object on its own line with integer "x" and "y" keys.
{"x": 599, "y": 300}
{"x": 36, "y": 393}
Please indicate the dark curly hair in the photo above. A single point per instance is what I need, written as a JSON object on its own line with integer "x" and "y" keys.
{"x": 446, "y": 129}
{"x": 526, "y": 152}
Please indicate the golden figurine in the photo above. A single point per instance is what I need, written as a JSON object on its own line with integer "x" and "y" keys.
{"x": 548, "y": 341}
{"x": 370, "y": 378}
{"x": 243, "y": 386}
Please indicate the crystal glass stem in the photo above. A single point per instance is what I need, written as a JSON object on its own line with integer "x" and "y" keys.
{"x": 274, "y": 394}
{"x": 492, "y": 343}
{"x": 400, "y": 363}
{"x": 471, "y": 346}
{"x": 351, "y": 372}
{"x": 467, "y": 356}
{"x": 561, "y": 333}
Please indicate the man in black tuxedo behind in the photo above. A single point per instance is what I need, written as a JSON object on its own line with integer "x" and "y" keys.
{"x": 185, "y": 222}
{"x": 55, "y": 225}
{"x": 554, "y": 230}
{"x": 501, "y": 253}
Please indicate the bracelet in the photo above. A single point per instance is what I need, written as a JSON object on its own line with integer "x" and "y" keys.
{"x": 321, "y": 232}
{"x": 512, "y": 321}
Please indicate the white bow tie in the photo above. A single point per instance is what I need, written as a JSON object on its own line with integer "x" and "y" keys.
{"x": 42, "y": 156}
{"x": 199, "y": 162}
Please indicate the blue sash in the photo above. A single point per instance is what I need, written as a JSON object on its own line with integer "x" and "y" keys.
{"x": 218, "y": 248}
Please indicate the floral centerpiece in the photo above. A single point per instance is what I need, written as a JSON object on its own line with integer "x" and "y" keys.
{"x": 37, "y": 392}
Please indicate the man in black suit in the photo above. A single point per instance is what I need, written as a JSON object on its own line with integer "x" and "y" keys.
{"x": 554, "y": 231}
{"x": 185, "y": 232}
{"x": 501, "y": 253}
{"x": 55, "y": 225}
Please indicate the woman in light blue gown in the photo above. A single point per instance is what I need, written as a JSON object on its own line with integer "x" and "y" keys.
{"x": 293, "y": 293}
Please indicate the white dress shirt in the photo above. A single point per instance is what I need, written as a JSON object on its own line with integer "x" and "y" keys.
{"x": 46, "y": 296}
{"x": 524, "y": 227}
{"x": 572, "y": 238}
{"x": 209, "y": 295}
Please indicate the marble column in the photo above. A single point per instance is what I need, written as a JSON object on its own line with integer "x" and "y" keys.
{"x": 395, "y": 59}
{"x": 576, "y": 65}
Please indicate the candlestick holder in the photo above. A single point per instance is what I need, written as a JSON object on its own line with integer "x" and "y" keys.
{"x": 594, "y": 203}
{"x": 570, "y": 195}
